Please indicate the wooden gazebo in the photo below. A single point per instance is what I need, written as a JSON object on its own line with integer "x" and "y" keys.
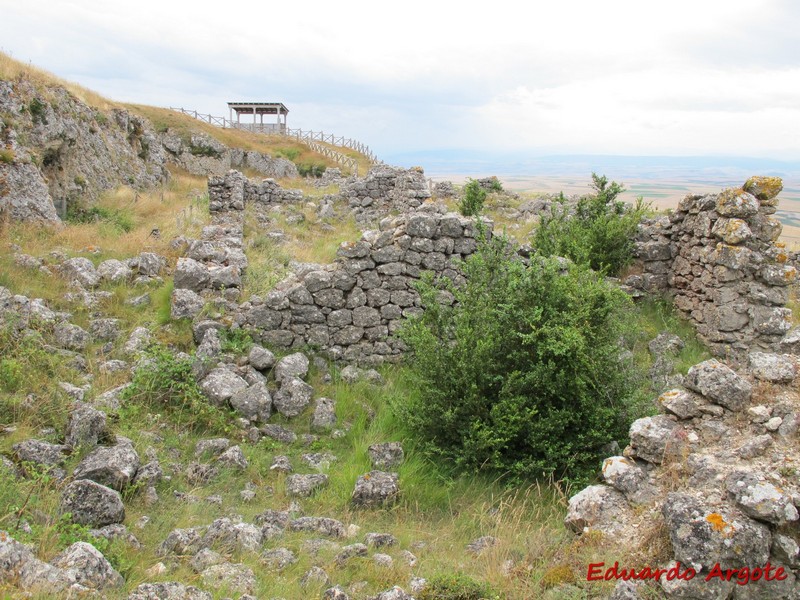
{"x": 258, "y": 110}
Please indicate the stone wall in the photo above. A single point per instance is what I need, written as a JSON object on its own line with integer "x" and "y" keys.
{"x": 386, "y": 189}
{"x": 214, "y": 264}
{"x": 717, "y": 255}
{"x": 350, "y": 308}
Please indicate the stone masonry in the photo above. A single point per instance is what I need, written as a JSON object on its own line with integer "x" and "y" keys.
{"x": 718, "y": 256}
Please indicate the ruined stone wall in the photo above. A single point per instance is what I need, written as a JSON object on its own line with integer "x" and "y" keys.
{"x": 717, "y": 255}
{"x": 386, "y": 189}
{"x": 351, "y": 308}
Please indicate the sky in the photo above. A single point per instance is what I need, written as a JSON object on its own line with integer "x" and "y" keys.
{"x": 613, "y": 77}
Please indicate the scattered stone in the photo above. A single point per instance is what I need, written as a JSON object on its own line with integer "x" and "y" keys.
{"x": 480, "y": 545}
{"x": 211, "y": 447}
{"x": 656, "y": 439}
{"x": 291, "y": 366}
{"x": 281, "y": 464}
{"x": 321, "y": 525}
{"x": 720, "y": 384}
{"x": 168, "y": 590}
{"x": 380, "y": 540}
{"x": 205, "y": 558}
{"x": 186, "y": 304}
{"x": 760, "y": 499}
{"x": 71, "y": 337}
{"x": 40, "y": 452}
{"x": 315, "y": 577}
{"x": 260, "y": 358}
{"x": 232, "y": 536}
{"x": 279, "y": 433}
{"x": 303, "y": 486}
{"x": 92, "y": 504}
{"x": 376, "y": 488}
{"x": 182, "y": 542}
{"x": 253, "y": 403}
{"x": 755, "y": 447}
{"x": 324, "y": 417}
{"x": 200, "y": 473}
{"x": 88, "y": 566}
{"x": 598, "y": 507}
{"x": 351, "y": 551}
{"x": 221, "y": 384}
{"x": 775, "y": 368}
{"x": 386, "y": 456}
{"x": 320, "y": 461}
{"x": 233, "y": 458}
{"x": 112, "y": 466}
{"x": 293, "y": 396}
{"x": 278, "y": 559}
{"x": 231, "y": 576}
{"x": 383, "y": 560}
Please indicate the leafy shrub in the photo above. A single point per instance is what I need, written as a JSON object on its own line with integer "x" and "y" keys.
{"x": 7, "y": 155}
{"x": 599, "y": 233}
{"x": 495, "y": 185}
{"x": 288, "y": 153}
{"x": 166, "y": 382}
{"x": 523, "y": 375}
{"x": 457, "y": 586}
{"x": 474, "y": 197}
{"x": 204, "y": 151}
{"x": 311, "y": 169}
{"x": 10, "y": 374}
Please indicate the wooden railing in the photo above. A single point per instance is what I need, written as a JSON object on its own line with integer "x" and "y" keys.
{"x": 311, "y": 138}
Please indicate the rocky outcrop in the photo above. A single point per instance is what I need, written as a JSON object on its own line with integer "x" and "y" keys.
{"x": 201, "y": 154}
{"x": 61, "y": 151}
{"x": 386, "y": 189}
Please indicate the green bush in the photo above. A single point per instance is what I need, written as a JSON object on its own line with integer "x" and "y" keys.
{"x": 474, "y": 197}
{"x": 311, "y": 169}
{"x": 288, "y": 153}
{"x": 237, "y": 341}
{"x": 523, "y": 375}
{"x": 165, "y": 382}
{"x": 11, "y": 373}
{"x": 457, "y": 586}
{"x": 38, "y": 110}
{"x": 600, "y": 231}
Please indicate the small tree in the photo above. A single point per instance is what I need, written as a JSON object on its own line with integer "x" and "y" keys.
{"x": 523, "y": 374}
{"x": 599, "y": 232}
{"x": 474, "y": 196}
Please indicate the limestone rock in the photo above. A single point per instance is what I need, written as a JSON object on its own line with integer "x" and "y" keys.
{"x": 703, "y": 535}
{"x": 82, "y": 270}
{"x": 775, "y": 368}
{"x": 261, "y": 358}
{"x": 233, "y": 458}
{"x": 302, "y": 486}
{"x": 321, "y": 525}
{"x": 86, "y": 427}
{"x": 720, "y": 384}
{"x": 293, "y": 396}
{"x": 90, "y": 567}
{"x": 324, "y": 417}
{"x": 40, "y": 452}
{"x": 112, "y": 466}
{"x": 71, "y": 337}
{"x": 231, "y": 576}
{"x": 185, "y": 304}
{"x": 169, "y": 590}
{"x": 92, "y": 504}
{"x": 292, "y": 366}
{"x": 221, "y": 384}
{"x": 376, "y": 488}
{"x": 232, "y": 536}
{"x": 386, "y": 455}
{"x": 760, "y": 499}
{"x": 253, "y": 403}
{"x": 597, "y": 507}
{"x": 657, "y": 438}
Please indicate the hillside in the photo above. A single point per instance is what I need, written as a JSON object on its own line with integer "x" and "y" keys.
{"x": 204, "y": 391}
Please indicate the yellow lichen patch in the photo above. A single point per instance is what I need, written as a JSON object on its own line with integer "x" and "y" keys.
{"x": 782, "y": 257}
{"x": 765, "y": 189}
{"x": 718, "y": 522}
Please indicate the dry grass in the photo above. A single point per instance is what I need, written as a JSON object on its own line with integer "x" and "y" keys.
{"x": 11, "y": 68}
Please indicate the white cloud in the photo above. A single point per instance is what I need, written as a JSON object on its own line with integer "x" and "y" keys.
{"x": 575, "y": 76}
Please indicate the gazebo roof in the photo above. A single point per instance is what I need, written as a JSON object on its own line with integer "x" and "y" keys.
{"x": 259, "y": 108}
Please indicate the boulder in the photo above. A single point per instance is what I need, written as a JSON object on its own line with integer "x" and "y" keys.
{"x": 112, "y": 466}
{"x": 720, "y": 384}
{"x": 71, "y": 337}
{"x": 89, "y": 566}
{"x": 80, "y": 270}
{"x": 168, "y": 590}
{"x": 775, "y": 368}
{"x": 303, "y": 486}
{"x": 291, "y": 366}
{"x": 234, "y": 458}
{"x": 221, "y": 384}
{"x": 598, "y": 507}
{"x": 86, "y": 427}
{"x": 376, "y": 488}
{"x": 324, "y": 417}
{"x": 231, "y": 576}
{"x": 114, "y": 270}
{"x": 386, "y": 455}
{"x": 232, "y": 536}
{"x": 185, "y": 304}
{"x": 704, "y": 535}
{"x": 40, "y": 452}
{"x": 253, "y": 403}
{"x": 92, "y": 504}
{"x": 760, "y": 499}
{"x": 261, "y": 358}
{"x": 293, "y": 396}
{"x": 320, "y": 525}
{"x": 657, "y": 438}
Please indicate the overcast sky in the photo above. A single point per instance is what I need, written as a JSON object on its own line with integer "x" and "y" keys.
{"x": 684, "y": 77}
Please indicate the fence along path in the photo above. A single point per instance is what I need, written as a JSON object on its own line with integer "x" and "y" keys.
{"x": 310, "y": 138}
